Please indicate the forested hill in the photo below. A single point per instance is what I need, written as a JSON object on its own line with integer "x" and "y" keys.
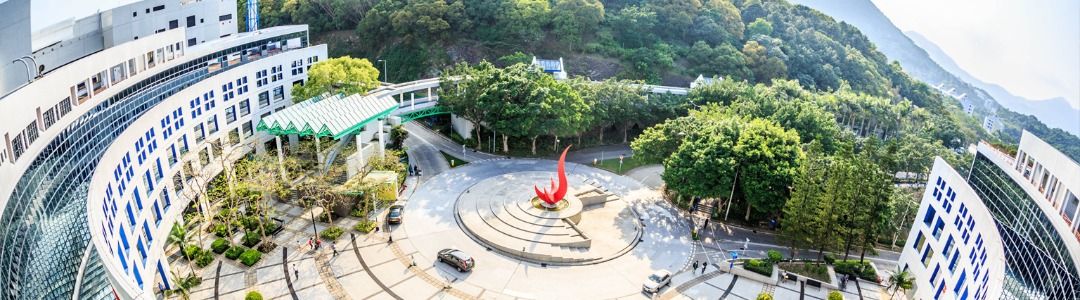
{"x": 661, "y": 41}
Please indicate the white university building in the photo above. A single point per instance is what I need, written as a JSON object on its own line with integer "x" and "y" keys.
{"x": 105, "y": 121}
{"x": 1005, "y": 229}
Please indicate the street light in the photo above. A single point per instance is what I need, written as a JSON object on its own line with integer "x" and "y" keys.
{"x": 386, "y": 73}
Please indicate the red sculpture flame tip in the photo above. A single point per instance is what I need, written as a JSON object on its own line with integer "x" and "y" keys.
{"x": 556, "y": 193}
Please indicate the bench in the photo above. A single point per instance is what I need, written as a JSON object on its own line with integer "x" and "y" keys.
{"x": 789, "y": 276}
{"x": 813, "y": 283}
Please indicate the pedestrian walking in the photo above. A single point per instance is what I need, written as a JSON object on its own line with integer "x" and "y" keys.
{"x": 695, "y": 266}
{"x": 318, "y": 244}
{"x": 704, "y": 266}
{"x": 309, "y": 242}
{"x": 296, "y": 272}
{"x": 333, "y": 247}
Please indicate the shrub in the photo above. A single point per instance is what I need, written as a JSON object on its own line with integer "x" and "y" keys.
{"x": 862, "y": 269}
{"x": 253, "y": 295}
{"x": 250, "y": 222}
{"x": 356, "y": 213}
{"x": 204, "y": 258}
{"x": 332, "y": 233}
{"x": 220, "y": 245}
{"x": 270, "y": 227}
{"x": 829, "y": 258}
{"x": 250, "y": 257}
{"x": 775, "y": 256}
{"x": 759, "y": 266}
{"x": 250, "y": 239}
{"x": 764, "y": 296}
{"x": 191, "y": 251}
{"x": 693, "y": 234}
{"x": 221, "y": 231}
{"x": 234, "y": 252}
{"x": 364, "y": 226}
{"x": 834, "y": 295}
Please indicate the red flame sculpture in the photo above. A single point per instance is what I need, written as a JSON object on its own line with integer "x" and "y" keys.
{"x": 556, "y": 193}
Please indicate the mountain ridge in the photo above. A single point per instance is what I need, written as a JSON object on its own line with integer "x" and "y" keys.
{"x": 926, "y": 65}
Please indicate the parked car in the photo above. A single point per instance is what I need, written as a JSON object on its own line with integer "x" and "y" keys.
{"x": 395, "y": 214}
{"x": 457, "y": 259}
{"x": 656, "y": 282}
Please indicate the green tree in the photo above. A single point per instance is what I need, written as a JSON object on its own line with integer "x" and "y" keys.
{"x": 764, "y": 66}
{"x": 573, "y": 18}
{"x": 523, "y": 20}
{"x": 759, "y": 27}
{"x": 800, "y": 225}
{"x": 344, "y": 75}
{"x": 634, "y": 26}
{"x": 619, "y": 102}
{"x": 900, "y": 280}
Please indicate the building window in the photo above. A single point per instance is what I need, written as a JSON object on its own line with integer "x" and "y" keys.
{"x": 191, "y": 42}
{"x": 225, "y": 17}
{"x": 211, "y": 125}
{"x": 938, "y": 228}
{"x": 247, "y": 129}
{"x": 920, "y": 241}
{"x": 190, "y": 21}
{"x": 159, "y": 7}
{"x": 244, "y": 109}
{"x": 927, "y": 255}
{"x": 264, "y": 99}
{"x": 279, "y": 93}
{"x": 174, "y": 24}
{"x": 929, "y": 217}
{"x": 230, "y": 114}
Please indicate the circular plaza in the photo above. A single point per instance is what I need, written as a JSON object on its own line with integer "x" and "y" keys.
{"x": 611, "y": 233}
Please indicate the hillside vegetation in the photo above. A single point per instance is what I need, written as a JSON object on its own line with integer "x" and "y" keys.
{"x": 662, "y": 42}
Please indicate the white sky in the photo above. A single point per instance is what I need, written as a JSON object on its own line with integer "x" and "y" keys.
{"x": 1030, "y": 47}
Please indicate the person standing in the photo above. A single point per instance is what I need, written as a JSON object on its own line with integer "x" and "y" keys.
{"x": 695, "y": 267}
{"x": 704, "y": 266}
{"x": 296, "y": 272}
{"x": 333, "y": 247}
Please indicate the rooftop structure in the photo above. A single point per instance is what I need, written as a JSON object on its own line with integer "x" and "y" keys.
{"x": 551, "y": 66}
{"x": 702, "y": 80}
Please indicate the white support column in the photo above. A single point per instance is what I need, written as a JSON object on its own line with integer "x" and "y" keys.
{"x": 382, "y": 142}
{"x": 318, "y": 152}
{"x": 280, "y": 157}
{"x": 429, "y": 94}
{"x": 360, "y": 148}
{"x": 412, "y": 104}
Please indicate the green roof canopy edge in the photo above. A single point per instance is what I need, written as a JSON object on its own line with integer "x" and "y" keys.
{"x": 358, "y": 125}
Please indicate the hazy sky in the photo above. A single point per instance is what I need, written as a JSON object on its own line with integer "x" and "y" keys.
{"x": 1030, "y": 47}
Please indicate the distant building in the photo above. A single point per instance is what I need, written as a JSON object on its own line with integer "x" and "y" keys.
{"x": 990, "y": 123}
{"x": 1004, "y": 230}
{"x": 551, "y": 66}
{"x": 702, "y": 80}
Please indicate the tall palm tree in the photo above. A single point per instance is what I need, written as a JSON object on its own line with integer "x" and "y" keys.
{"x": 180, "y": 235}
{"x": 900, "y": 280}
{"x": 182, "y": 285}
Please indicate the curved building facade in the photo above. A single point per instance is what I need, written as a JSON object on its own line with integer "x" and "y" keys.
{"x": 1018, "y": 209}
{"x": 96, "y": 152}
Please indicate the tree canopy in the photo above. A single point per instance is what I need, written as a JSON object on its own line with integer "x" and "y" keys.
{"x": 345, "y": 75}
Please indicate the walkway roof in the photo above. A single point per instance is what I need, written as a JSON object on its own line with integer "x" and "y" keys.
{"x": 335, "y": 116}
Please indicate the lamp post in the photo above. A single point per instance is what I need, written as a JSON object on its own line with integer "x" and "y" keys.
{"x": 313, "y": 222}
{"x": 386, "y": 72}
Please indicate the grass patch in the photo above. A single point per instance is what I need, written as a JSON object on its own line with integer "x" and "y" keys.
{"x": 454, "y": 161}
{"x": 629, "y": 163}
{"x": 817, "y": 271}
